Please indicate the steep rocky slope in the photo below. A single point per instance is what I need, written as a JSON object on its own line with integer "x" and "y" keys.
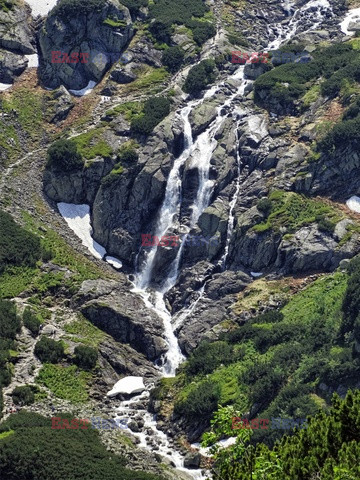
{"x": 254, "y": 160}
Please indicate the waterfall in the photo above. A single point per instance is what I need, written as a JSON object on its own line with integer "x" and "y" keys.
{"x": 200, "y": 151}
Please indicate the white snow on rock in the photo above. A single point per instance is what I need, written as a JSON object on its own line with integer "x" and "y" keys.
{"x": 255, "y": 274}
{"x": 41, "y": 7}
{"x": 33, "y": 60}
{"x": 354, "y": 203}
{"x": 127, "y": 385}
{"x": 84, "y": 91}
{"x": 5, "y": 86}
{"x": 78, "y": 219}
{"x": 353, "y": 15}
{"x": 113, "y": 261}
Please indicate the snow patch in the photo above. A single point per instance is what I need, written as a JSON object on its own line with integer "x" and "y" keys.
{"x": 255, "y": 274}
{"x": 4, "y": 86}
{"x": 354, "y": 203}
{"x": 78, "y": 219}
{"x": 33, "y": 60}
{"x": 127, "y": 385}
{"x": 84, "y": 91}
{"x": 113, "y": 262}
{"x": 41, "y": 7}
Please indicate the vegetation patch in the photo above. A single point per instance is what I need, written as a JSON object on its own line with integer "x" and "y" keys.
{"x": 199, "y": 77}
{"x": 277, "y": 360}
{"x": 85, "y": 331}
{"x": 67, "y": 383}
{"x": 91, "y": 144}
{"x": 155, "y": 109}
{"x": 292, "y": 211}
{"x": 28, "y": 441}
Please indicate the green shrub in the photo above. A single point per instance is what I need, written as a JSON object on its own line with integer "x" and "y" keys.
{"x": 48, "y": 350}
{"x": 209, "y": 356}
{"x": 28, "y": 452}
{"x": 127, "y": 154}
{"x": 85, "y": 357}
{"x": 179, "y": 12}
{"x": 202, "y": 31}
{"x": 160, "y": 31}
{"x": 74, "y": 8}
{"x": 31, "y": 321}
{"x": 172, "y": 58}
{"x": 264, "y": 205}
{"x": 9, "y": 320}
{"x": 6, "y": 5}
{"x": 201, "y": 401}
{"x": 24, "y": 395}
{"x": 63, "y": 156}
{"x": 351, "y": 303}
{"x": 155, "y": 110}
{"x": 324, "y": 224}
{"x": 134, "y": 5}
{"x": 199, "y": 77}
{"x": 17, "y": 246}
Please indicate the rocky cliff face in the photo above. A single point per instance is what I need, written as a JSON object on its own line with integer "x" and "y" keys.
{"x": 100, "y": 35}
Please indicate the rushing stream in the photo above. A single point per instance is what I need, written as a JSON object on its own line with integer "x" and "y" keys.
{"x": 200, "y": 151}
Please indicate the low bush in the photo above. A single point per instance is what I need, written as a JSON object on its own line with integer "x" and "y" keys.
{"x": 172, "y": 58}
{"x": 201, "y": 401}
{"x": 155, "y": 110}
{"x": 10, "y": 323}
{"x": 199, "y": 77}
{"x": 209, "y": 356}
{"x": 48, "y": 350}
{"x": 134, "y": 5}
{"x": 17, "y": 246}
{"x": 73, "y": 8}
{"x": 85, "y": 357}
{"x": 63, "y": 156}
{"x": 31, "y": 321}
{"x": 24, "y": 395}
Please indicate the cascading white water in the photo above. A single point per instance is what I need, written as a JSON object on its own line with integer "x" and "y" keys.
{"x": 287, "y": 31}
{"x": 203, "y": 147}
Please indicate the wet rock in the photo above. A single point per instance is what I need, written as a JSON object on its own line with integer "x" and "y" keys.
{"x": 192, "y": 460}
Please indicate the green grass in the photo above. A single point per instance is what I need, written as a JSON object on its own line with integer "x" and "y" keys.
{"x": 6, "y": 434}
{"x": 28, "y": 106}
{"x": 311, "y": 96}
{"x": 64, "y": 255}
{"x": 292, "y": 211}
{"x": 114, "y": 23}
{"x": 15, "y": 280}
{"x": 91, "y": 144}
{"x": 85, "y": 332}
{"x": 151, "y": 77}
{"x": 128, "y": 109}
{"x": 67, "y": 383}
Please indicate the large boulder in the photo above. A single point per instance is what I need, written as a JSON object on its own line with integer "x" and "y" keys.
{"x": 79, "y": 186}
{"x": 113, "y": 308}
{"x": 15, "y": 30}
{"x": 11, "y": 66}
{"x": 100, "y": 33}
